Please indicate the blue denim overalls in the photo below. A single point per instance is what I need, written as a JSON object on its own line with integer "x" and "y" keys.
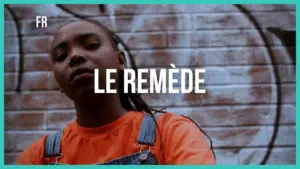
{"x": 146, "y": 136}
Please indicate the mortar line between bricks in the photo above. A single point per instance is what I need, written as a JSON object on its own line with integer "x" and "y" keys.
{"x": 253, "y": 147}
{"x": 208, "y": 106}
{"x": 62, "y": 110}
{"x": 289, "y": 84}
{"x": 163, "y": 14}
{"x": 274, "y": 47}
{"x": 169, "y": 106}
{"x": 156, "y": 67}
{"x": 212, "y": 29}
{"x": 222, "y": 106}
{"x": 209, "y": 48}
{"x": 153, "y": 32}
{"x": 30, "y": 131}
{"x": 45, "y": 117}
{"x": 221, "y": 30}
{"x": 65, "y": 111}
{"x": 12, "y": 152}
{"x": 177, "y": 106}
{"x": 178, "y": 67}
{"x": 177, "y": 48}
{"x": 237, "y": 85}
{"x": 202, "y": 126}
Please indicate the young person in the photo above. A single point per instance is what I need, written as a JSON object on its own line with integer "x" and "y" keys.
{"x": 110, "y": 128}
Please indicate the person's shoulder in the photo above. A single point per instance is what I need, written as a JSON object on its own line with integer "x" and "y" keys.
{"x": 169, "y": 117}
{"x": 160, "y": 116}
{"x": 171, "y": 122}
{"x": 37, "y": 144}
{"x": 165, "y": 119}
{"x": 33, "y": 153}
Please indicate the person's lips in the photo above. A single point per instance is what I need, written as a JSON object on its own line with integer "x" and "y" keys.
{"x": 81, "y": 73}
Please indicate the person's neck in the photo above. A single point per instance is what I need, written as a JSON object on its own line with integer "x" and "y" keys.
{"x": 98, "y": 111}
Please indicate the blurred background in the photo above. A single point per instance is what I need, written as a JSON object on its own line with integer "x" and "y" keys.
{"x": 248, "y": 52}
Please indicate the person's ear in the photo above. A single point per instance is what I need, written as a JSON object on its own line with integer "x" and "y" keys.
{"x": 122, "y": 60}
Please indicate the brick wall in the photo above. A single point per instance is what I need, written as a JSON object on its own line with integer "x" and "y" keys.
{"x": 239, "y": 108}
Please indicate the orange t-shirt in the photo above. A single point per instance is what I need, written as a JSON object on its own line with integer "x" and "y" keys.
{"x": 181, "y": 142}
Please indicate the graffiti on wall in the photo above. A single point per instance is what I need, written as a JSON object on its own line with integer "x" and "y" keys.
{"x": 191, "y": 56}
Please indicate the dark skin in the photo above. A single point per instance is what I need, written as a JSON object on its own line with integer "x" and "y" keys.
{"x": 82, "y": 44}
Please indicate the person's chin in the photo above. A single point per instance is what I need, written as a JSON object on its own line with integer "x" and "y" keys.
{"x": 83, "y": 89}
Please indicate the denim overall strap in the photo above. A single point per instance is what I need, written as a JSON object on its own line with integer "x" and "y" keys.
{"x": 146, "y": 136}
{"x": 147, "y": 131}
{"x": 52, "y": 145}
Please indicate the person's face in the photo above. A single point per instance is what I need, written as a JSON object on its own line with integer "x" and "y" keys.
{"x": 77, "y": 49}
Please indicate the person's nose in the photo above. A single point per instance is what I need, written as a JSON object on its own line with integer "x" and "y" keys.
{"x": 77, "y": 58}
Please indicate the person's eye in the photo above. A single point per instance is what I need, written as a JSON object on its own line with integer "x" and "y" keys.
{"x": 92, "y": 46}
{"x": 60, "y": 57}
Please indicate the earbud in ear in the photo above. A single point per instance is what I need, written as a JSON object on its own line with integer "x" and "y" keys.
{"x": 121, "y": 59}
